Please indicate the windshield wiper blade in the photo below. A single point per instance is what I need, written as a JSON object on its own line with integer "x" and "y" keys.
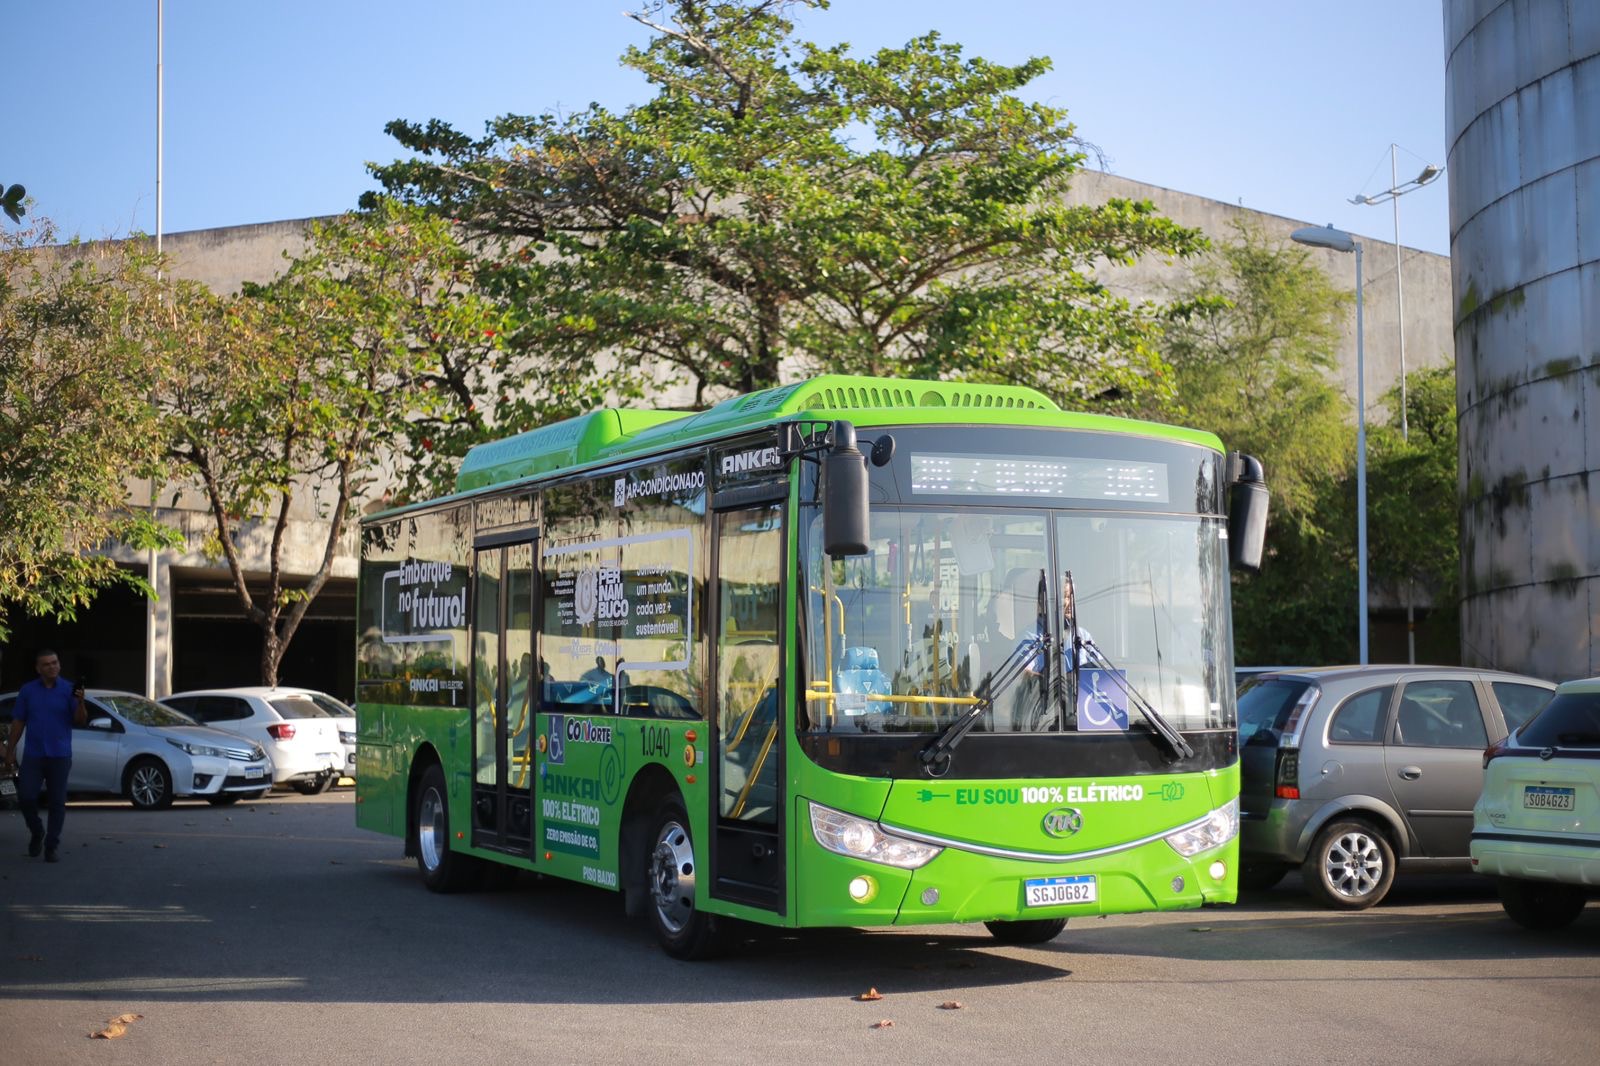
{"x": 1162, "y": 727}
{"x": 936, "y": 756}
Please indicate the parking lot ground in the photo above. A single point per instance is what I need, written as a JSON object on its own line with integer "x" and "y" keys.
{"x": 277, "y": 929}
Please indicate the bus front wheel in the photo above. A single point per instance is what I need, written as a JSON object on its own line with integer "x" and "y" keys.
{"x": 442, "y": 869}
{"x": 671, "y": 869}
{"x": 1028, "y": 931}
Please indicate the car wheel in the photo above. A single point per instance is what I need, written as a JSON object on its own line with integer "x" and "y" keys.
{"x": 226, "y": 800}
{"x": 671, "y": 869}
{"x": 1540, "y": 904}
{"x": 1350, "y": 867}
{"x": 1027, "y": 931}
{"x": 1258, "y": 877}
{"x": 316, "y": 786}
{"x": 442, "y": 869}
{"x": 148, "y": 784}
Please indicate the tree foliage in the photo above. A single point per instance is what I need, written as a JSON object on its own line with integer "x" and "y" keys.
{"x": 1412, "y": 493}
{"x": 75, "y": 418}
{"x": 300, "y": 395}
{"x": 1251, "y": 342}
{"x": 13, "y": 201}
{"x": 777, "y": 207}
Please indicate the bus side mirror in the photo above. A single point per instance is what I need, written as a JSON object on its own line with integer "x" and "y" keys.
{"x": 844, "y": 504}
{"x": 1247, "y": 512}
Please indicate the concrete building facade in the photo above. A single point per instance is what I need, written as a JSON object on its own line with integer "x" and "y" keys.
{"x": 201, "y": 639}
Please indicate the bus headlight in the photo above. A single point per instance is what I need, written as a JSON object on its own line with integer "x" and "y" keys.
{"x": 858, "y": 838}
{"x": 1219, "y": 827}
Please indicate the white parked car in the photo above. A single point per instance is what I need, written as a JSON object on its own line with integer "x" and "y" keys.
{"x": 303, "y": 741}
{"x": 151, "y": 754}
{"x": 1536, "y": 827}
{"x": 344, "y": 715}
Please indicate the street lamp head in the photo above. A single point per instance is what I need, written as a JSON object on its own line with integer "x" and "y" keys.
{"x": 1359, "y": 199}
{"x": 1429, "y": 172}
{"x": 1324, "y": 237}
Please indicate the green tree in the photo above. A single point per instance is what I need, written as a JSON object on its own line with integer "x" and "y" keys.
{"x": 303, "y": 394}
{"x": 13, "y": 201}
{"x": 1413, "y": 518}
{"x": 75, "y": 421}
{"x": 1251, "y": 342}
{"x": 777, "y": 207}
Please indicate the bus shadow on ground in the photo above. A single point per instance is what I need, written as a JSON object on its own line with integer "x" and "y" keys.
{"x": 231, "y": 905}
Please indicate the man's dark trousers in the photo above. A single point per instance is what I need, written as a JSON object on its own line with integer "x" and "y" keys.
{"x": 52, "y": 774}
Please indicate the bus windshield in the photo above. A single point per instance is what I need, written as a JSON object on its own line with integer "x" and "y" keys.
{"x": 901, "y": 639}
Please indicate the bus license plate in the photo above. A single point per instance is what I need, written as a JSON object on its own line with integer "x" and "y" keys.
{"x": 1545, "y": 798}
{"x": 1053, "y": 891}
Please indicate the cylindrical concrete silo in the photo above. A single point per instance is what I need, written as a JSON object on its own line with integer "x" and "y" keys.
{"x": 1523, "y": 127}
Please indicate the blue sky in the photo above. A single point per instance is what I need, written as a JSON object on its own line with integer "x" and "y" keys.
{"x": 273, "y": 109}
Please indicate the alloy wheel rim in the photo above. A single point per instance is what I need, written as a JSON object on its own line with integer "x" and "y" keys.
{"x": 1354, "y": 865}
{"x": 147, "y": 785}
{"x": 672, "y": 877}
{"x": 431, "y": 829}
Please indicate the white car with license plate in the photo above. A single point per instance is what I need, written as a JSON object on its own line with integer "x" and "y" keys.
{"x": 1536, "y": 826}
{"x": 152, "y": 754}
{"x": 303, "y": 739}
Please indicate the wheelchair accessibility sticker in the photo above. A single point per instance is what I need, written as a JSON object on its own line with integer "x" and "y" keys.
{"x": 1102, "y": 700}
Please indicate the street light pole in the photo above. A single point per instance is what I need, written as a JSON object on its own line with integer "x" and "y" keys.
{"x": 1340, "y": 241}
{"x": 1393, "y": 194}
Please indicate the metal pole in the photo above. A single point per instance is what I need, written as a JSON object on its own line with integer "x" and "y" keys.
{"x": 152, "y": 566}
{"x": 1361, "y": 465}
{"x": 1399, "y": 294}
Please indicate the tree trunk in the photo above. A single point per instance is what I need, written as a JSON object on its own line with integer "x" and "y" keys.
{"x": 272, "y": 650}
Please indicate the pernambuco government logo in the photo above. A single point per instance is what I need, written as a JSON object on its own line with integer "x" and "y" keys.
{"x": 585, "y": 596}
{"x": 1063, "y": 822}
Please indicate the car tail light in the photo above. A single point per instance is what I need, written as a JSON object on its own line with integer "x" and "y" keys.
{"x": 281, "y": 731}
{"x": 1286, "y": 775}
{"x": 1495, "y": 750}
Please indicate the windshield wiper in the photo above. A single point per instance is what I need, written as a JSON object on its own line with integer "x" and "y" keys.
{"x": 1163, "y": 728}
{"x": 936, "y": 756}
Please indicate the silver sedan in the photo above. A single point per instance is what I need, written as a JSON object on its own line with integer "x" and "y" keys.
{"x": 152, "y": 754}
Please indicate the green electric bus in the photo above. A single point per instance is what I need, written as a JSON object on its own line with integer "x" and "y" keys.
{"x": 847, "y": 652}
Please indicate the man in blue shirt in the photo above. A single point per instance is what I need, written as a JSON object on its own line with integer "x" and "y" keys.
{"x": 47, "y": 708}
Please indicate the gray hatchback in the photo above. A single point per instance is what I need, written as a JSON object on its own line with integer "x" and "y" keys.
{"x": 1348, "y": 771}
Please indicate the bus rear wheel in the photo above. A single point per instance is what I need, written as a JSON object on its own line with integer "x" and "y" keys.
{"x": 442, "y": 869}
{"x": 684, "y": 931}
{"x": 1027, "y": 931}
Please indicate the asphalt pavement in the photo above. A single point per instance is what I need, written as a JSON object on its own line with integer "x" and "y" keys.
{"x": 278, "y": 930}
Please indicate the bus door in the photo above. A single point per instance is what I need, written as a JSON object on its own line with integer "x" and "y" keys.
{"x": 503, "y": 693}
{"x": 747, "y": 851}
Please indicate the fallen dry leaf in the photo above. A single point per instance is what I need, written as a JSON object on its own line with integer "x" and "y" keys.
{"x": 1201, "y": 929}
{"x": 950, "y": 1004}
{"x": 869, "y": 995}
{"x": 884, "y": 1024}
{"x": 30, "y": 958}
{"x": 158, "y": 845}
{"x": 116, "y": 1027}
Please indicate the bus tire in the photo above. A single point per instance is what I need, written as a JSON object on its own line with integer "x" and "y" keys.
{"x": 442, "y": 869}
{"x": 671, "y": 868}
{"x": 1027, "y": 931}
